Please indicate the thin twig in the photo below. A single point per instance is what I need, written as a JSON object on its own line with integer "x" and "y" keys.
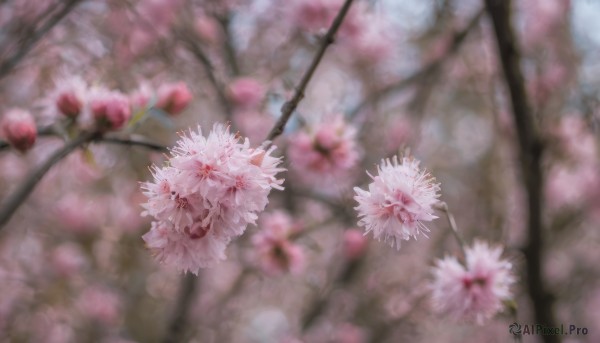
{"x": 530, "y": 151}
{"x": 29, "y": 42}
{"x": 289, "y": 107}
{"x": 230, "y": 55}
{"x": 24, "y": 189}
{"x": 132, "y": 142}
{"x": 109, "y": 140}
{"x": 443, "y": 207}
{"x": 178, "y": 321}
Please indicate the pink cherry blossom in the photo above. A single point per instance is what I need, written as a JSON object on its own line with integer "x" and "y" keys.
{"x": 276, "y": 252}
{"x": 18, "y": 128}
{"x": 398, "y": 201}
{"x": 189, "y": 250}
{"x": 474, "y": 292}
{"x": 326, "y": 153}
{"x": 210, "y": 190}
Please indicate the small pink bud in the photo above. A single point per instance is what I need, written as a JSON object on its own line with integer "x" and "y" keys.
{"x": 355, "y": 244}
{"x": 208, "y": 29}
{"x": 246, "y": 92}
{"x": 111, "y": 111}
{"x": 173, "y": 98}
{"x": 18, "y": 128}
{"x": 69, "y": 104}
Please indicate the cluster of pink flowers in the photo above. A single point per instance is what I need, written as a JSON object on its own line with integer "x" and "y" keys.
{"x": 326, "y": 153}
{"x": 474, "y": 292}
{"x": 277, "y": 253}
{"x": 399, "y": 199}
{"x": 18, "y": 128}
{"x": 209, "y": 191}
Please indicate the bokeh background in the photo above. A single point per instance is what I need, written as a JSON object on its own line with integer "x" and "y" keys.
{"x": 417, "y": 76}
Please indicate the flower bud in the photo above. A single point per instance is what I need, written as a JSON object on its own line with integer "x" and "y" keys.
{"x": 173, "y": 98}
{"x": 111, "y": 111}
{"x": 18, "y": 128}
{"x": 69, "y": 104}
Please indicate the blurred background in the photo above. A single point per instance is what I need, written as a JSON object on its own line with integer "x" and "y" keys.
{"x": 419, "y": 76}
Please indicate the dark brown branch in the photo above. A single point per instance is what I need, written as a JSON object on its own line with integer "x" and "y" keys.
{"x": 132, "y": 142}
{"x": 530, "y": 151}
{"x": 29, "y": 42}
{"x": 230, "y": 55}
{"x": 24, "y": 189}
{"x": 289, "y": 107}
{"x": 178, "y": 321}
{"x": 430, "y": 69}
{"x": 110, "y": 140}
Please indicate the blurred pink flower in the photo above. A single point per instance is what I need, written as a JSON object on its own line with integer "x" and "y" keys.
{"x": 173, "y": 98}
{"x": 18, "y": 128}
{"x": 349, "y": 333}
{"x": 79, "y": 214}
{"x": 399, "y": 199}
{"x": 371, "y": 43}
{"x": 313, "y": 15}
{"x": 475, "y": 292}
{"x": 246, "y": 92}
{"x": 110, "y": 109}
{"x": 212, "y": 189}
{"x": 68, "y": 259}
{"x": 355, "y": 244}
{"x": 276, "y": 252}
{"x": 208, "y": 29}
{"x": 100, "y": 304}
{"x": 325, "y": 156}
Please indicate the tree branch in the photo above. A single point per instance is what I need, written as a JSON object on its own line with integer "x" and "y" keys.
{"x": 289, "y": 107}
{"x": 29, "y": 42}
{"x": 209, "y": 70}
{"x": 230, "y": 55}
{"x": 178, "y": 321}
{"x": 430, "y": 69}
{"x": 24, "y": 189}
{"x": 444, "y": 208}
{"x": 530, "y": 151}
{"x": 132, "y": 142}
